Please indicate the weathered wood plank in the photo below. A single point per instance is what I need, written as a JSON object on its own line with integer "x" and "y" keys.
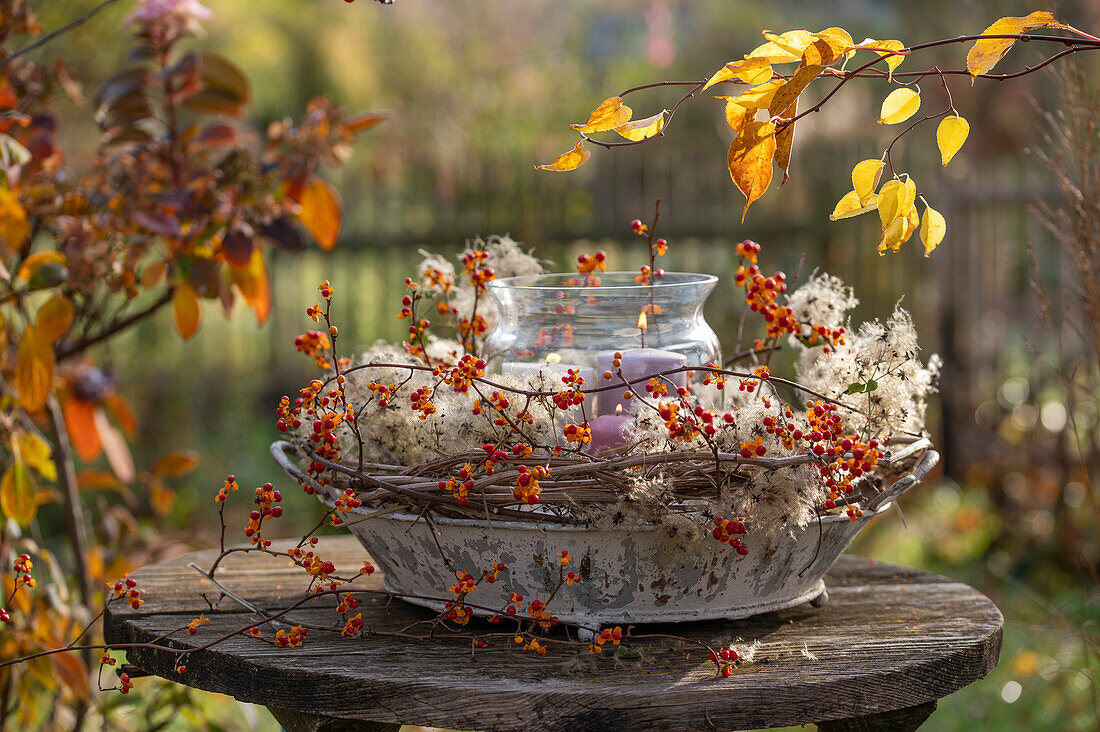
{"x": 890, "y": 638}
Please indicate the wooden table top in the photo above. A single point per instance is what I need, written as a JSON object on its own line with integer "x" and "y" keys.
{"x": 889, "y": 638}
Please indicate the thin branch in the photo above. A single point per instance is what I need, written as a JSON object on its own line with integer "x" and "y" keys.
{"x": 55, "y": 33}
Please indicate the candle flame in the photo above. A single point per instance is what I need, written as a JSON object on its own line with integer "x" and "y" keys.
{"x": 618, "y": 410}
{"x": 553, "y": 358}
{"x": 642, "y": 322}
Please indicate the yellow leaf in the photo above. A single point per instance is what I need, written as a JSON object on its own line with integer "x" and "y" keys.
{"x": 737, "y": 115}
{"x": 17, "y": 491}
{"x": 758, "y": 97}
{"x": 749, "y": 70}
{"x": 783, "y": 48}
{"x": 892, "y": 236}
{"x": 33, "y": 262}
{"x": 571, "y": 160}
{"x": 175, "y": 464}
{"x": 785, "y": 96}
{"x": 933, "y": 228}
{"x": 784, "y": 142}
{"x": 895, "y": 200}
{"x": 185, "y": 309}
{"x": 319, "y": 212}
{"x": 54, "y": 317}
{"x": 893, "y": 60}
{"x": 37, "y": 455}
{"x": 80, "y": 422}
{"x": 985, "y": 54}
{"x": 34, "y": 364}
{"x": 829, "y": 45}
{"x": 610, "y": 114}
{"x": 899, "y": 105}
{"x": 750, "y": 161}
{"x": 865, "y": 176}
{"x": 950, "y": 136}
{"x": 643, "y": 128}
{"x": 254, "y": 285}
{"x": 14, "y": 227}
{"x": 852, "y": 205}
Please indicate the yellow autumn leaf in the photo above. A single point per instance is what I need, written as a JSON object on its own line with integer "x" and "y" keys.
{"x": 571, "y": 160}
{"x": 933, "y": 228}
{"x": 895, "y": 200}
{"x": 54, "y": 317}
{"x": 829, "y": 45}
{"x": 176, "y": 463}
{"x": 643, "y": 128}
{"x": 853, "y": 205}
{"x": 758, "y": 97}
{"x": 33, "y": 262}
{"x": 319, "y": 212}
{"x": 783, "y": 48}
{"x": 899, "y": 105}
{"x": 185, "y": 310}
{"x": 950, "y": 136}
{"x": 737, "y": 115}
{"x": 14, "y": 226}
{"x": 34, "y": 364}
{"x": 784, "y": 142}
{"x": 865, "y": 176}
{"x": 892, "y": 236}
{"x": 985, "y": 54}
{"x": 254, "y": 284}
{"x": 748, "y": 70}
{"x": 883, "y": 49}
{"x": 785, "y": 96}
{"x": 610, "y": 114}
{"x": 17, "y": 491}
{"x": 750, "y": 161}
{"x": 37, "y": 455}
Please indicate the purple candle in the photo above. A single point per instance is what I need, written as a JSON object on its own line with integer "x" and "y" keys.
{"x": 635, "y": 364}
{"x": 609, "y": 431}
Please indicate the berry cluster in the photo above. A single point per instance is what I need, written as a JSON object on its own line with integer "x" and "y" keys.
{"x": 127, "y": 588}
{"x": 315, "y": 344}
{"x": 607, "y": 635}
{"x": 579, "y": 434}
{"x": 195, "y": 623}
{"x": 728, "y": 531}
{"x": 230, "y": 486}
{"x": 267, "y": 496}
{"x": 527, "y": 488}
{"x": 293, "y": 639}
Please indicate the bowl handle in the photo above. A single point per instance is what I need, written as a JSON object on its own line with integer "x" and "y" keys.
{"x": 927, "y": 461}
{"x": 279, "y": 450}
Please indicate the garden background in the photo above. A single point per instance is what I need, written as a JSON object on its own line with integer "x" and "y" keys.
{"x": 479, "y": 93}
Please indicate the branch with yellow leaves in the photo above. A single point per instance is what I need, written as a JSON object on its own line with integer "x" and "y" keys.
{"x": 763, "y": 117}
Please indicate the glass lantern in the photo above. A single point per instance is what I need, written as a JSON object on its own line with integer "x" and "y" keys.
{"x": 550, "y": 323}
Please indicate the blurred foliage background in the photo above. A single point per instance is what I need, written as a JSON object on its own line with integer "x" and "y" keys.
{"x": 480, "y": 92}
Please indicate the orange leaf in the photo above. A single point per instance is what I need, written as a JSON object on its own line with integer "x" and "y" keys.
{"x": 120, "y": 409}
{"x": 571, "y": 160}
{"x": 319, "y": 212}
{"x": 17, "y": 491}
{"x": 90, "y": 480}
{"x": 153, "y": 273}
{"x": 985, "y": 54}
{"x": 72, "y": 673}
{"x": 54, "y": 317}
{"x": 114, "y": 446}
{"x": 750, "y": 161}
{"x": 161, "y": 498}
{"x": 34, "y": 364}
{"x": 80, "y": 422}
{"x": 254, "y": 285}
{"x": 185, "y": 309}
{"x": 365, "y": 121}
{"x": 175, "y": 464}
{"x": 610, "y": 114}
